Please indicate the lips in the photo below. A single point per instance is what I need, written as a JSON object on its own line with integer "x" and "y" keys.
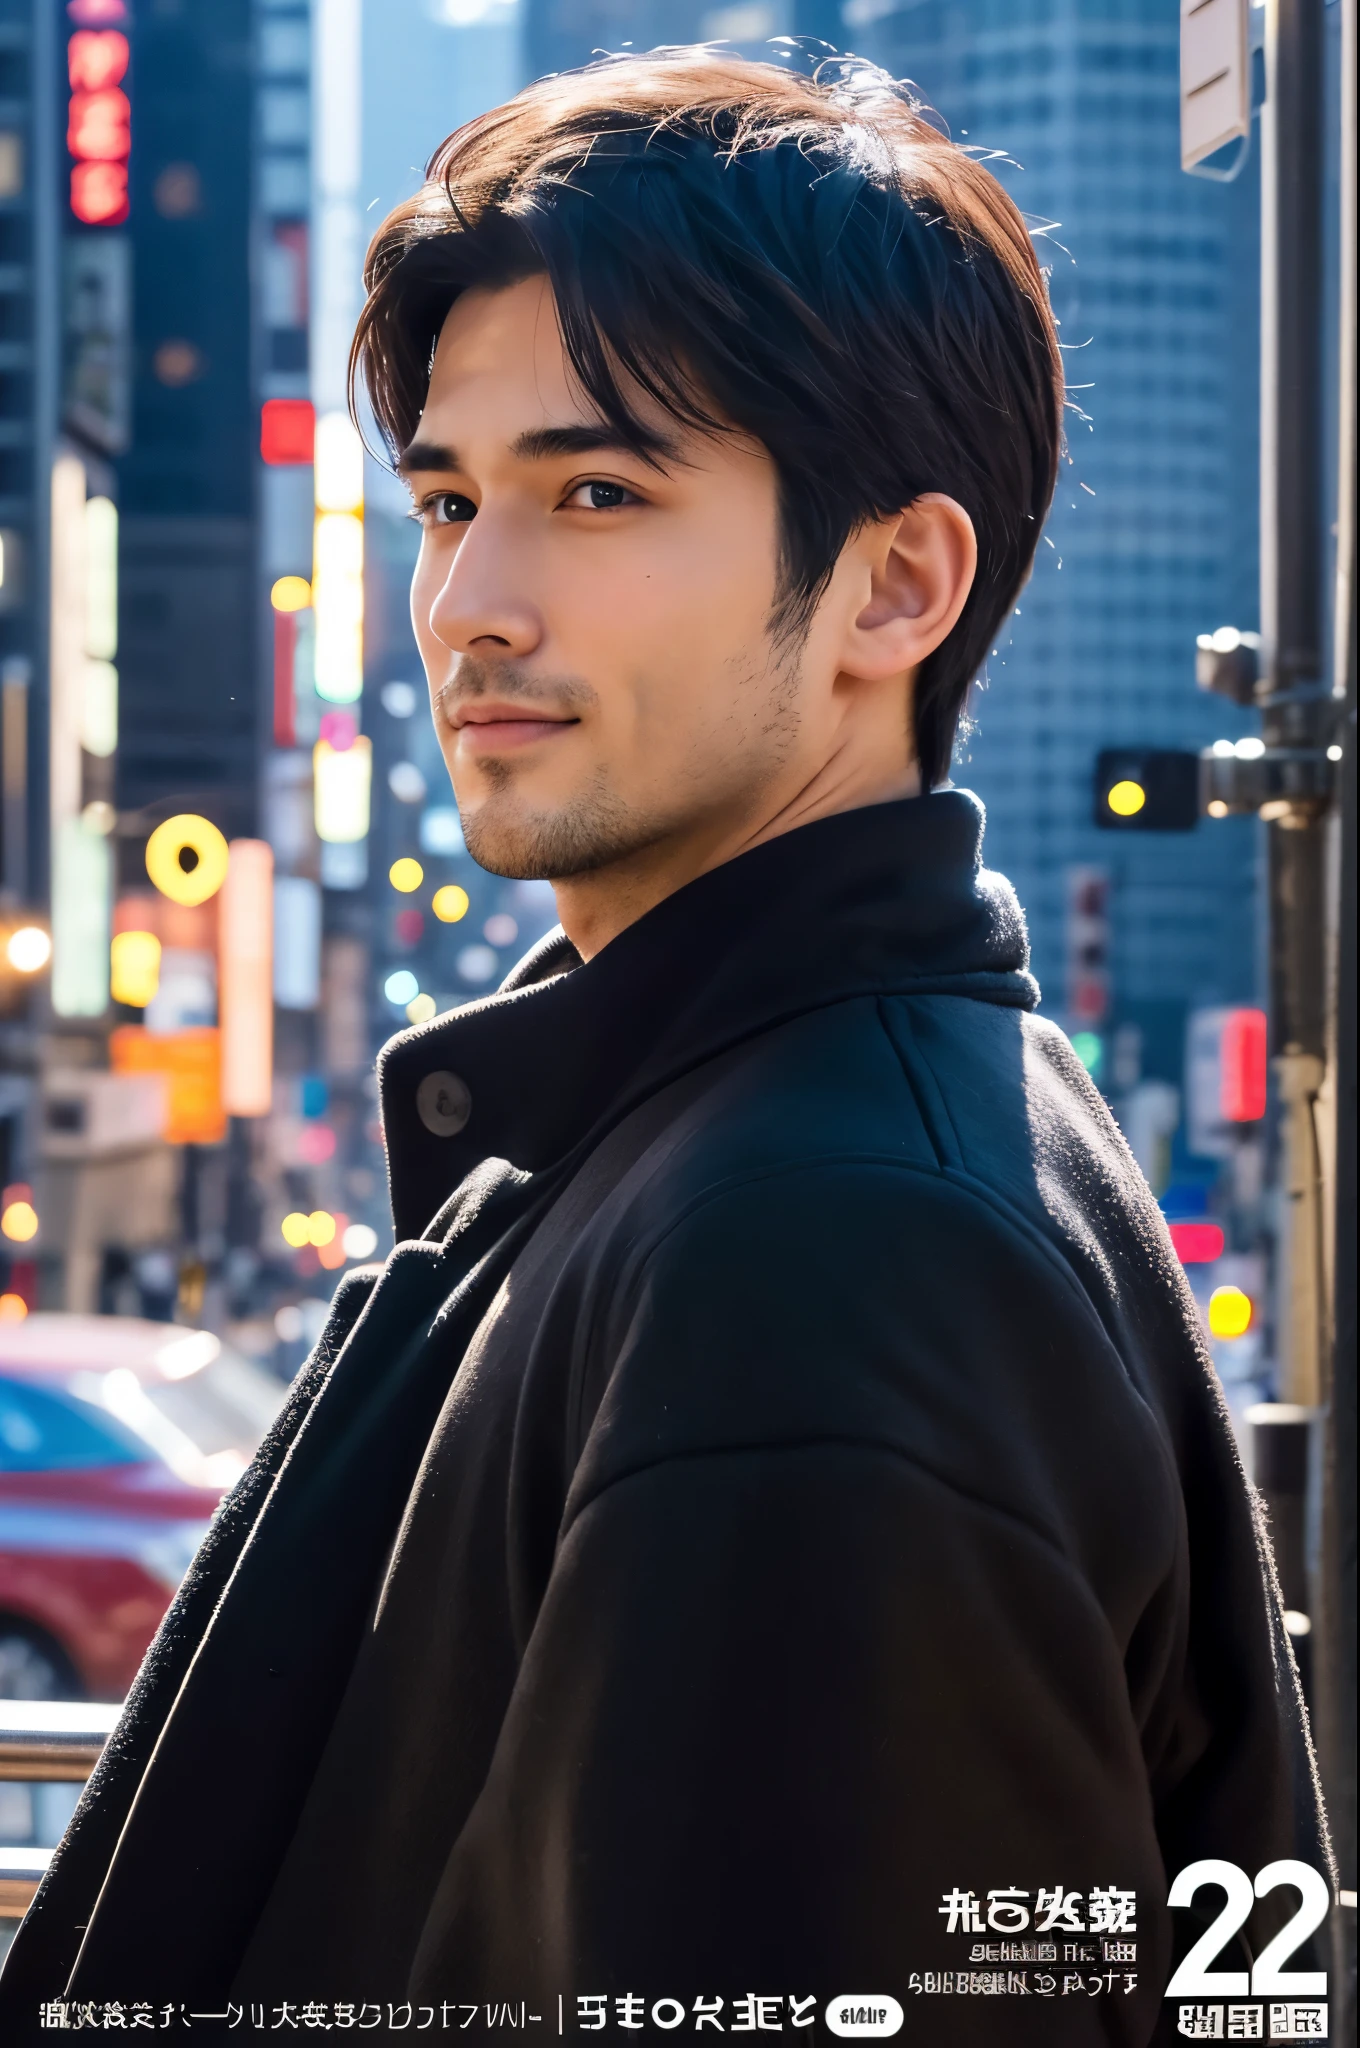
{"x": 491, "y": 728}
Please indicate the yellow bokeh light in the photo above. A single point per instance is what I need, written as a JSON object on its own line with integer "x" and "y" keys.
{"x": 320, "y": 1227}
{"x": 296, "y": 1230}
{"x": 1230, "y": 1312}
{"x": 186, "y": 858}
{"x": 19, "y": 1222}
{"x": 13, "y": 1308}
{"x": 291, "y": 594}
{"x": 406, "y": 874}
{"x": 450, "y": 903}
{"x": 420, "y": 1010}
{"x": 1126, "y": 799}
{"x": 134, "y": 968}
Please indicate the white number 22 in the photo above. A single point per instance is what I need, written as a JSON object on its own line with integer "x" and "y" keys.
{"x": 1194, "y": 1980}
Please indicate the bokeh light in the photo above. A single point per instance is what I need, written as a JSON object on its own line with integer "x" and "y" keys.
{"x": 295, "y": 1230}
{"x": 450, "y": 903}
{"x": 134, "y": 968}
{"x": 1230, "y": 1312}
{"x": 29, "y": 949}
{"x": 291, "y": 594}
{"x": 1089, "y": 1049}
{"x": 420, "y": 1010}
{"x": 332, "y": 1254}
{"x": 401, "y": 988}
{"x": 19, "y": 1220}
{"x": 406, "y": 874}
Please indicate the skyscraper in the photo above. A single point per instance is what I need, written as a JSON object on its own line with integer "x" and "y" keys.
{"x": 1153, "y": 534}
{"x": 188, "y": 669}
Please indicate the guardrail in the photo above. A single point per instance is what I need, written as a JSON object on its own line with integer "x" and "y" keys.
{"x": 45, "y": 1742}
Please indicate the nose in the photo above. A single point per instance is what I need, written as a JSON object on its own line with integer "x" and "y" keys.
{"x": 480, "y": 607}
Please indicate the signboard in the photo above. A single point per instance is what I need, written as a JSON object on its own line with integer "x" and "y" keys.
{"x": 1215, "y": 77}
{"x": 96, "y": 319}
{"x": 191, "y": 1060}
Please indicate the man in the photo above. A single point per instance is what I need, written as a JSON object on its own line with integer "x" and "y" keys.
{"x": 770, "y": 1531}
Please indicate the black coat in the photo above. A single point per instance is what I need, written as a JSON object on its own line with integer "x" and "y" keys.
{"x": 777, "y": 1481}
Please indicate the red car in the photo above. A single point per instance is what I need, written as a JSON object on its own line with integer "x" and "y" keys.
{"x": 118, "y": 1439}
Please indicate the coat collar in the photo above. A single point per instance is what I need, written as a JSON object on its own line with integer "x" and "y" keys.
{"x": 888, "y": 899}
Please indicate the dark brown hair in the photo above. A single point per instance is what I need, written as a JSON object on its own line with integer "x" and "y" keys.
{"x": 808, "y": 260}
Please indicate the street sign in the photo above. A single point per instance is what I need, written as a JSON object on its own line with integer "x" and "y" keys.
{"x": 1215, "y": 77}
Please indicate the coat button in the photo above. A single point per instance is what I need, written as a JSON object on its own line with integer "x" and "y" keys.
{"x": 443, "y": 1104}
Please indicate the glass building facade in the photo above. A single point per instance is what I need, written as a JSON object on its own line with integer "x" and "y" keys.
{"x": 1154, "y": 277}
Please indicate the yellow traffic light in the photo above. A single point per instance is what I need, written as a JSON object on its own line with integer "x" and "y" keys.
{"x": 1126, "y": 799}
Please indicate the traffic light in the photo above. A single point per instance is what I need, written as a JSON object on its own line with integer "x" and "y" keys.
{"x": 1087, "y": 933}
{"x": 1146, "y": 790}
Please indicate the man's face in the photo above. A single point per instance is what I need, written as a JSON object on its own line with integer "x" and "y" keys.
{"x": 595, "y": 630}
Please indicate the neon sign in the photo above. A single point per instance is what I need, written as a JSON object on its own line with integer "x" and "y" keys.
{"x": 98, "y": 116}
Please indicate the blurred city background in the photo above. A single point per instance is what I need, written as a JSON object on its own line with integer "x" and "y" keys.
{"x": 232, "y": 866}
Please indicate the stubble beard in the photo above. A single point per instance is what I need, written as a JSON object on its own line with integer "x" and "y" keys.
{"x": 596, "y": 827}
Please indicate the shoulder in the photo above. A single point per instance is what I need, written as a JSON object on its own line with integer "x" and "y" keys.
{"x": 862, "y": 1300}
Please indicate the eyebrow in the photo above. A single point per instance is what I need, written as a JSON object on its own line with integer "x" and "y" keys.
{"x": 541, "y": 444}
{"x": 422, "y": 455}
{"x": 544, "y": 444}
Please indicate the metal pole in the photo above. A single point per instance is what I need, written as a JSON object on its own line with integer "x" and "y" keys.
{"x": 1294, "y": 704}
{"x": 1335, "y": 1674}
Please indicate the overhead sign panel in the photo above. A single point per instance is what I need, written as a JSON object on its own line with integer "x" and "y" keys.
{"x": 1215, "y": 77}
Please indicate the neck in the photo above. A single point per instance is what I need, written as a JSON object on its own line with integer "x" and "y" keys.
{"x": 595, "y": 907}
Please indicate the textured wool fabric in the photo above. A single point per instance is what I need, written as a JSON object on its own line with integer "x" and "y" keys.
{"x": 776, "y": 1481}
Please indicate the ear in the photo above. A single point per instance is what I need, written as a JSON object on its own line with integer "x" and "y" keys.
{"x": 920, "y": 568}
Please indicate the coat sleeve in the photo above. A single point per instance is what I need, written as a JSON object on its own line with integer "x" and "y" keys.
{"x": 836, "y": 1633}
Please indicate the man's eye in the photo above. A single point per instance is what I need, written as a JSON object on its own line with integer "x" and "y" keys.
{"x": 597, "y": 496}
{"x": 447, "y": 508}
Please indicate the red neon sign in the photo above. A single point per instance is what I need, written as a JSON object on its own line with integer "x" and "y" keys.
{"x": 1197, "y": 1244}
{"x": 1243, "y": 1065}
{"x": 96, "y": 58}
{"x": 98, "y": 119}
{"x": 287, "y": 430}
{"x": 99, "y": 126}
